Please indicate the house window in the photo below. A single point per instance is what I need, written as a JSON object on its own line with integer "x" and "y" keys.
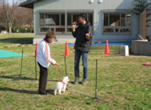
{"x": 117, "y": 23}
{"x": 56, "y": 21}
{"x": 114, "y": 20}
{"x": 52, "y": 19}
{"x": 73, "y": 17}
{"x": 53, "y": 22}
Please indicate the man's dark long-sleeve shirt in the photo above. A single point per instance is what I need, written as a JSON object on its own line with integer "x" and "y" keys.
{"x": 82, "y": 43}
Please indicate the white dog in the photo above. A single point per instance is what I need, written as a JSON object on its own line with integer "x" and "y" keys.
{"x": 61, "y": 86}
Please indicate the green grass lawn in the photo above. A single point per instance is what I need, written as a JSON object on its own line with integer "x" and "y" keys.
{"x": 123, "y": 79}
{"x": 16, "y": 38}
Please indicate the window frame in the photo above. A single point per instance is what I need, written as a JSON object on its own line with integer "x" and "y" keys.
{"x": 108, "y": 12}
{"x": 78, "y": 14}
{"x": 51, "y": 27}
{"x": 65, "y": 12}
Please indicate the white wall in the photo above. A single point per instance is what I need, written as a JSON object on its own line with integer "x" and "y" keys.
{"x": 85, "y": 4}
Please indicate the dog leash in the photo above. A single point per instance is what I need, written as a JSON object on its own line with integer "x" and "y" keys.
{"x": 59, "y": 70}
{"x": 57, "y": 65}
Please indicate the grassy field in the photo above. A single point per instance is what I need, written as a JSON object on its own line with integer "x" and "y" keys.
{"x": 17, "y": 38}
{"x": 123, "y": 79}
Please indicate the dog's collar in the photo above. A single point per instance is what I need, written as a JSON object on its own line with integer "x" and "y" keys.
{"x": 63, "y": 83}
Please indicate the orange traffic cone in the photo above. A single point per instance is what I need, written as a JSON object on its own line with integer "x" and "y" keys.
{"x": 36, "y": 49}
{"x": 107, "y": 51}
{"x": 67, "y": 53}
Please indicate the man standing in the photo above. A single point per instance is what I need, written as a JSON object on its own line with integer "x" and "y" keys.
{"x": 83, "y": 35}
{"x": 44, "y": 60}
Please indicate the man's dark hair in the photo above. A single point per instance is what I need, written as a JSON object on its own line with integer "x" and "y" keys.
{"x": 83, "y": 16}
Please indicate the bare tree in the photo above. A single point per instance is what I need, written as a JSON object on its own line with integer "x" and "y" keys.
{"x": 2, "y": 19}
{"x": 21, "y": 16}
{"x": 24, "y": 16}
{"x": 12, "y": 16}
{"x": 9, "y": 12}
{"x": 30, "y": 17}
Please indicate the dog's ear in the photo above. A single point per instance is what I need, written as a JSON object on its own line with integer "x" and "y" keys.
{"x": 64, "y": 79}
{"x": 67, "y": 80}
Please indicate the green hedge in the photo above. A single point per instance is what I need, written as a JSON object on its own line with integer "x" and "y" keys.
{"x": 21, "y": 30}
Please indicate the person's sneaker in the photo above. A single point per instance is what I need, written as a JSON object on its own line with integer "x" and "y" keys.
{"x": 76, "y": 80}
{"x": 84, "y": 81}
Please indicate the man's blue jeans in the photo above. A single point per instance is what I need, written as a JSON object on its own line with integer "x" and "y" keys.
{"x": 78, "y": 54}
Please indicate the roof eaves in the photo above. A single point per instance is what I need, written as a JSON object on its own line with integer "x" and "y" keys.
{"x": 28, "y": 4}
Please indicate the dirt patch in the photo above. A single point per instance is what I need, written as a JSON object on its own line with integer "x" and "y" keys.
{"x": 3, "y": 69}
{"x": 14, "y": 66}
{"x": 115, "y": 88}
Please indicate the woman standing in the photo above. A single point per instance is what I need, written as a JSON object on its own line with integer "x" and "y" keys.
{"x": 44, "y": 60}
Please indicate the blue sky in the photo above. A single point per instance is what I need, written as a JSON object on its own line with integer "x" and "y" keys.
{"x": 10, "y": 1}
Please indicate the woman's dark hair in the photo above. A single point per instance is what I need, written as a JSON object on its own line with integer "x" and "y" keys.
{"x": 83, "y": 16}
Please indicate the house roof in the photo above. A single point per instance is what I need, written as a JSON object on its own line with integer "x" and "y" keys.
{"x": 28, "y": 3}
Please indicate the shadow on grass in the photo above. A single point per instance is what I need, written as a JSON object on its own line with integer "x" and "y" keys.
{"x": 19, "y": 91}
{"x": 72, "y": 82}
{"x": 23, "y": 91}
{"x": 17, "y": 40}
{"x": 17, "y": 78}
{"x": 24, "y": 78}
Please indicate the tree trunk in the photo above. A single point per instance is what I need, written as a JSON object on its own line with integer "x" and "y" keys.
{"x": 30, "y": 28}
{"x": 10, "y": 28}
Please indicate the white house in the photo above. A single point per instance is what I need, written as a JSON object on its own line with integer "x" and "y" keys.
{"x": 111, "y": 19}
